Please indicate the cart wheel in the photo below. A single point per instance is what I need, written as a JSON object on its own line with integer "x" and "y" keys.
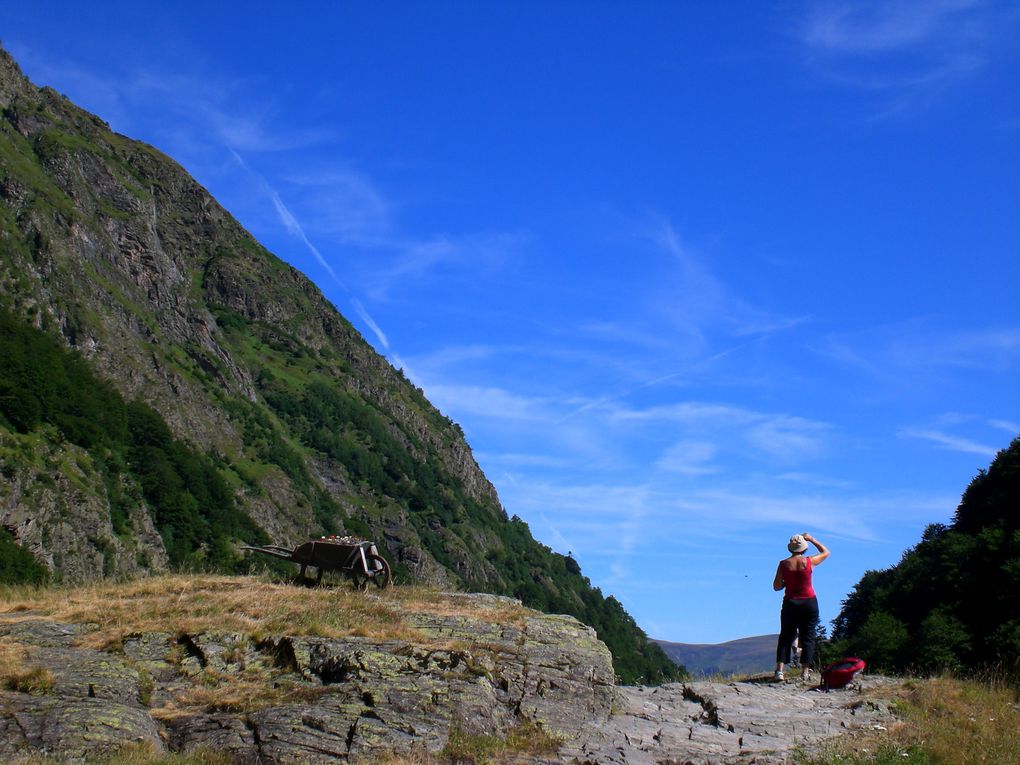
{"x": 381, "y": 577}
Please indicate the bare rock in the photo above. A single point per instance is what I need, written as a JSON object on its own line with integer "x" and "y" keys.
{"x": 73, "y": 728}
{"x": 709, "y": 723}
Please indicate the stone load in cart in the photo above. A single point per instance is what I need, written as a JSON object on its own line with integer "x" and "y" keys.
{"x": 357, "y": 558}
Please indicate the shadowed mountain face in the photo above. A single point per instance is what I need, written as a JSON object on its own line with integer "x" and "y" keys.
{"x": 737, "y": 657}
{"x": 171, "y": 389}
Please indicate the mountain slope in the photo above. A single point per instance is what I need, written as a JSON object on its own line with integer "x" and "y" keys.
{"x": 111, "y": 248}
{"x": 953, "y": 600}
{"x": 734, "y": 657}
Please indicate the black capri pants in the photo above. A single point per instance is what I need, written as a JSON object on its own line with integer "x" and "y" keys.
{"x": 799, "y": 617}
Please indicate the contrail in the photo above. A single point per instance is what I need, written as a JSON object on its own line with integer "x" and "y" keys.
{"x": 656, "y": 381}
{"x": 365, "y": 317}
{"x": 292, "y": 226}
{"x": 289, "y": 221}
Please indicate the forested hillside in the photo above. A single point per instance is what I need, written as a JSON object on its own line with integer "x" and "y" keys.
{"x": 171, "y": 389}
{"x": 953, "y": 601}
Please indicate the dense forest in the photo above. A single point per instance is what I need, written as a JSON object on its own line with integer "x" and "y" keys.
{"x": 953, "y": 601}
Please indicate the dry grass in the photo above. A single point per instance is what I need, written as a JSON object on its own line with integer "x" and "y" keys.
{"x": 248, "y": 605}
{"x": 16, "y": 675}
{"x": 524, "y": 743}
{"x": 944, "y": 721}
{"x": 523, "y": 740}
{"x": 237, "y": 693}
{"x": 135, "y": 754}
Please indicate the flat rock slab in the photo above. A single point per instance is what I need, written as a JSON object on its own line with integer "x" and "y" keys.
{"x": 703, "y": 723}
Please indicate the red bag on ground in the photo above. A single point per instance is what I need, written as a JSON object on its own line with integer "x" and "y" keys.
{"x": 841, "y": 673}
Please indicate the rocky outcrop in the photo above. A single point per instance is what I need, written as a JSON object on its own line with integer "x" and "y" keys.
{"x": 289, "y": 699}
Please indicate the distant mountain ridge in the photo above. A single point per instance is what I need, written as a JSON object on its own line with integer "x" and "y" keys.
{"x": 735, "y": 657}
{"x": 225, "y": 362}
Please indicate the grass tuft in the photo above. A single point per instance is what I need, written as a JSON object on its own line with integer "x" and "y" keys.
{"x": 135, "y": 754}
{"x": 34, "y": 680}
{"x": 524, "y": 739}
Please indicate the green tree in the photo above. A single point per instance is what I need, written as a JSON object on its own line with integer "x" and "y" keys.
{"x": 882, "y": 639}
{"x": 956, "y": 593}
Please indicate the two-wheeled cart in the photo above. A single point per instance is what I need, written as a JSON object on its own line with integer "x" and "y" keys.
{"x": 358, "y": 558}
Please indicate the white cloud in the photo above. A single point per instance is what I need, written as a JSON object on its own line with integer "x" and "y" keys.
{"x": 289, "y": 221}
{"x": 486, "y": 401}
{"x": 699, "y": 303}
{"x": 780, "y": 437}
{"x": 1006, "y": 425}
{"x": 517, "y": 460}
{"x": 908, "y": 53}
{"x": 601, "y": 519}
{"x": 689, "y": 457}
{"x": 812, "y": 479}
{"x": 949, "y": 441}
{"x": 883, "y": 26}
{"x": 910, "y": 349}
{"x": 342, "y": 204}
{"x": 409, "y": 262}
{"x": 789, "y": 439}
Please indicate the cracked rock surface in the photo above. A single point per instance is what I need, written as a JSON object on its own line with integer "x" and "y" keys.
{"x": 702, "y": 723}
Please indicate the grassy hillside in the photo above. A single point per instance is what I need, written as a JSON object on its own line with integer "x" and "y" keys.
{"x": 944, "y": 720}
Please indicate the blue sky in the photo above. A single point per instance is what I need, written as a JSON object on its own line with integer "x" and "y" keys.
{"x": 692, "y": 276}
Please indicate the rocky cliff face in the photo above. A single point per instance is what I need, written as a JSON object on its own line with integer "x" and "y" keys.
{"x": 56, "y": 505}
{"x": 114, "y": 245}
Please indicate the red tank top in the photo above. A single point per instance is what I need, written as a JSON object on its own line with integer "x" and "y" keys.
{"x": 798, "y": 583}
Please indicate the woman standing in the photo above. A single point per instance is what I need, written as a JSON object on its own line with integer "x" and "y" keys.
{"x": 800, "y": 606}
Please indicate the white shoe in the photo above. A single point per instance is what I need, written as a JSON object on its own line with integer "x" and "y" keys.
{"x": 808, "y": 676}
{"x": 779, "y": 677}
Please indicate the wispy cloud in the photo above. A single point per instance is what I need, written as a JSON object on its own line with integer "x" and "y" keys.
{"x": 408, "y": 260}
{"x": 1006, "y": 425}
{"x": 606, "y": 519}
{"x": 910, "y": 51}
{"x": 885, "y": 25}
{"x": 780, "y": 437}
{"x": 488, "y": 402}
{"x": 923, "y": 346}
{"x": 342, "y": 205}
{"x": 689, "y": 457}
{"x": 949, "y": 441}
{"x": 700, "y": 302}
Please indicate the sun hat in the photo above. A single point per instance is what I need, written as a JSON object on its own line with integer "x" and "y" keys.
{"x": 797, "y": 544}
